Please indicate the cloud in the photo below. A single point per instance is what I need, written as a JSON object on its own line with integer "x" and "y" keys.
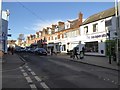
{"x": 39, "y": 25}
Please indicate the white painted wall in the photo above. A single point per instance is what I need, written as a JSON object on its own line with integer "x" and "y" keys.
{"x": 101, "y": 30}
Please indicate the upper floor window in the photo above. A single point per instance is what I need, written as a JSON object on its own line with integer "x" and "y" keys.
{"x": 58, "y": 36}
{"x": 95, "y": 27}
{"x": 108, "y": 23}
{"x": 65, "y": 35}
{"x": 86, "y": 29}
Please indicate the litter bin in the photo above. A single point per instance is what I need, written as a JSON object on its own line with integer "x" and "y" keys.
{"x": 81, "y": 55}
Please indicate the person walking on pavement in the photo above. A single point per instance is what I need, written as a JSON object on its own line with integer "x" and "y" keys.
{"x": 75, "y": 54}
{"x": 8, "y": 50}
{"x": 51, "y": 51}
{"x": 83, "y": 50}
{"x": 82, "y": 53}
{"x": 12, "y": 50}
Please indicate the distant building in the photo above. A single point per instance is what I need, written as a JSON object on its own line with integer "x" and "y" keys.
{"x": 5, "y": 19}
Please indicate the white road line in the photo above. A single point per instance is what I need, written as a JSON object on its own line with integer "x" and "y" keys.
{"x": 33, "y": 86}
{"x": 108, "y": 79}
{"x": 28, "y": 79}
{"x": 20, "y": 67}
{"x": 25, "y": 74}
{"x": 104, "y": 78}
{"x": 32, "y": 73}
{"x": 44, "y": 85}
{"x": 37, "y": 78}
{"x": 29, "y": 69}
{"x": 112, "y": 81}
{"x": 22, "y": 70}
{"x": 26, "y": 66}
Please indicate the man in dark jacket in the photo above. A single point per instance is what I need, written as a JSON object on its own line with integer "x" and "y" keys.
{"x": 75, "y": 53}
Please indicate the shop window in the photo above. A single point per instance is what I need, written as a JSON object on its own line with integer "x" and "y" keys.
{"x": 95, "y": 27}
{"x": 91, "y": 46}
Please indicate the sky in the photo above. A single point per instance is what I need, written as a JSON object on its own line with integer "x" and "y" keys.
{"x": 29, "y": 17}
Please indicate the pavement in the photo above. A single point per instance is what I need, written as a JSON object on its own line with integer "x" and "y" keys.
{"x": 11, "y": 61}
{"x": 95, "y": 61}
{"x": 12, "y": 76}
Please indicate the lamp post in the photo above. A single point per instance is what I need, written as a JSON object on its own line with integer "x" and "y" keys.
{"x": 109, "y": 46}
{"x": 117, "y": 40}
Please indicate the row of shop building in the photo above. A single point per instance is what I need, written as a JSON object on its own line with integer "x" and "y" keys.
{"x": 95, "y": 34}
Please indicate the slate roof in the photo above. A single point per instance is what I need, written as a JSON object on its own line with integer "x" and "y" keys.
{"x": 104, "y": 14}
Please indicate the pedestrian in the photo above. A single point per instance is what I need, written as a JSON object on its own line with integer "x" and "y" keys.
{"x": 83, "y": 50}
{"x": 12, "y": 50}
{"x": 51, "y": 51}
{"x": 75, "y": 54}
{"x": 8, "y": 50}
{"x": 82, "y": 53}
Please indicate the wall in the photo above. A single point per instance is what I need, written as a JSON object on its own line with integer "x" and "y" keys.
{"x": 102, "y": 33}
{"x": 4, "y": 30}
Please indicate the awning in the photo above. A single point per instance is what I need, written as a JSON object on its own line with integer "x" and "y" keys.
{"x": 50, "y": 45}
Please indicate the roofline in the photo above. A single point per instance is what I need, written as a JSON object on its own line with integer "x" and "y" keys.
{"x": 97, "y": 20}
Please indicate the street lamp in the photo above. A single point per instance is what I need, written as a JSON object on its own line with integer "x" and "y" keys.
{"x": 109, "y": 46}
{"x": 116, "y": 15}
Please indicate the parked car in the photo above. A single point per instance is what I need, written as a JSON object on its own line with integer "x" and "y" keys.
{"x": 31, "y": 50}
{"x": 40, "y": 51}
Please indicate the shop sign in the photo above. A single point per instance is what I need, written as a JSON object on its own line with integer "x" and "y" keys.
{"x": 98, "y": 36}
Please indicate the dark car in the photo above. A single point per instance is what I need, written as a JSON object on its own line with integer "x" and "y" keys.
{"x": 40, "y": 51}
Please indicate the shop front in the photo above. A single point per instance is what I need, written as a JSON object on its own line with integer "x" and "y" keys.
{"x": 95, "y": 44}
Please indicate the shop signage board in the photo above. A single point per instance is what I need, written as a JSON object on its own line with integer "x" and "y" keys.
{"x": 96, "y": 36}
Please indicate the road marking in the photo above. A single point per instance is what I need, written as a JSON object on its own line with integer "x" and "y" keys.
{"x": 26, "y": 66}
{"x": 25, "y": 74}
{"x": 33, "y": 86}
{"x": 22, "y": 70}
{"x": 108, "y": 79}
{"x": 28, "y": 79}
{"x": 37, "y": 78}
{"x": 112, "y": 81}
{"x": 32, "y": 73}
{"x": 104, "y": 78}
{"x": 44, "y": 85}
{"x": 29, "y": 69}
{"x": 20, "y": 67}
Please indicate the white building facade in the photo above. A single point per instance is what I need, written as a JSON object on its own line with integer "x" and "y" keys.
{"x": 95, "y": 32}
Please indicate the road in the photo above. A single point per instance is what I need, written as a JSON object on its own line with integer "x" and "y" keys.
{"x": 63, "y": 73}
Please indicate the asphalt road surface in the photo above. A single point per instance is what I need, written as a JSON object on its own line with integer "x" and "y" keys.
{"x": 54, "y": 72}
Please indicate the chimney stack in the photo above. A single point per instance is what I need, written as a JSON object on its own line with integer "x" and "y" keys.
{"x": 80, "y": 18}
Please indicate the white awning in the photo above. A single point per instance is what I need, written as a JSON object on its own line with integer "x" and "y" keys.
{"x": 50, "y": 45}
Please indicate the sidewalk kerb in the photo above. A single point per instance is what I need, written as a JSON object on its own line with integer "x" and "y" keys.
{"x": 94, "y": 65}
